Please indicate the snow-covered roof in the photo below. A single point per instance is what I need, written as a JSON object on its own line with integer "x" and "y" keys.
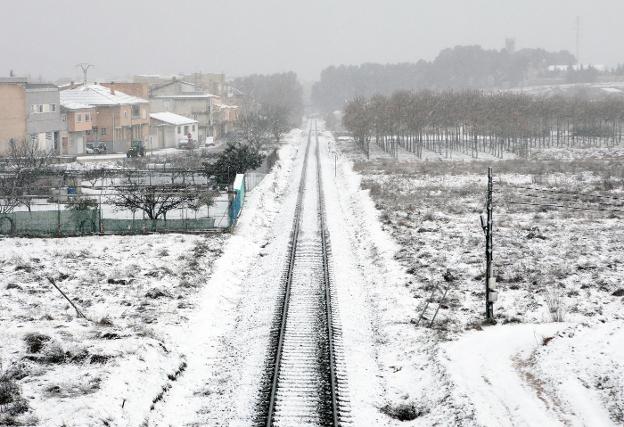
{"x": 172, "y": 119}
{"x": 226, "y": 107}
{"x": 187, "y": 96}
{"x": 75, "y": 105}
{"x": 172, "y": 82}
{"x": 96, "y": 95}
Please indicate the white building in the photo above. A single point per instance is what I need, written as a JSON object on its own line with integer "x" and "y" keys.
{"x": 169, "y": 129}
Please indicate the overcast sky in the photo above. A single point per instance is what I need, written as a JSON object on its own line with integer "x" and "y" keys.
{"x": 237, "y": 37}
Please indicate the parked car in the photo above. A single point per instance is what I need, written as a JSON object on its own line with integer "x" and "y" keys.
{"x": 96, "y": 149}
{"x": 187, "y": 143}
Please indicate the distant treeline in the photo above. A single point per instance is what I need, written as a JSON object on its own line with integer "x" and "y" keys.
{"x": 270, "y": 104}
{"x": 462, "y": 67}
{"x": 473, "y": 122}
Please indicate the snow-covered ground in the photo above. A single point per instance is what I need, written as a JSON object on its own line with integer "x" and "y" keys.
{"x": 161, "y": 310}
{"x": 109, "y": 368}
{"x": 179, "y": 325}
{"x": 411, "y": 222}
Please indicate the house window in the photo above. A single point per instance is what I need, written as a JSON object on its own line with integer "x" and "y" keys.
{"x": 136, "y": 111}
{"x": 53, "y": 107}
{"x": 103, "y": 131}
{"x": 78, "y": 118}
{"x": 40, "y": 108}
{"x": 179, "y": 130}
{"x": 87, "y": 117}
{"x": 193, "y": 128}
{"x": 186, "y": 128}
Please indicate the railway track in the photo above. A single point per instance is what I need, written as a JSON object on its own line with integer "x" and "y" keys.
{"x": 304, "y": 381}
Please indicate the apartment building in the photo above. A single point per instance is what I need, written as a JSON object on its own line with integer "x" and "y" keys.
{"x": 118, "y": 118}
{"x": 30, "y": 112}
{"x": 79, "y": 119}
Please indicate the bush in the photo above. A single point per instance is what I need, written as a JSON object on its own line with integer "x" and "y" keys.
{"x": 35, "y": 341}
{"x": 11, "y": 401}
{"x": 402, "y": 411}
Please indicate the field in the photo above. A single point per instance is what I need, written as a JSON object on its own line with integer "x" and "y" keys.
{"x": 109, "y": 367}
{"x": 558, "y": 239}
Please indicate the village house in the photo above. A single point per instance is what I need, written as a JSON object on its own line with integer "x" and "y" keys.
{"x": 119, "y": 118}
{"x": 185, "y": 99}
{"x": 30, "y": 112}
{"x": 79, "y": 119}
{"x": 225, "y": 117}
{"x": 168, "y": 130}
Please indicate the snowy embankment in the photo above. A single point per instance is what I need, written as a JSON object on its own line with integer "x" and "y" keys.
{"x": 215, "y": 344}
{"x": 418, "y": 224}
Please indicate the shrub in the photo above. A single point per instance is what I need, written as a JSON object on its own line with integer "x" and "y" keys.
{"x": 53, "y": 353}
{"x": 402, "y": 411}
{"x": 35, "y": 341}
{"x": 11, "y": 401}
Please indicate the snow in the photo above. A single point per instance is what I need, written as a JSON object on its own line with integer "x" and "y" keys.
{"x": 109, "y": 278}
{"x": 188, "y": 96}
{"x": 394, "y": 228}
{"x": 502, "y": 375}
{"x": 172, "y": 118}
{"x": 95, "y": 95}
{"x": 76, "y": 105}
{"x": 228, "y": 335}
{"x": 485, "y": 366}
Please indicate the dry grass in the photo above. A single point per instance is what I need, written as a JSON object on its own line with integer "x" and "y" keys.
{"x": 432, "y": 210}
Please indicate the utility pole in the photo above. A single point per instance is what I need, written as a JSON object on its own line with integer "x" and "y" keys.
{"x": 490, "y": 283}
{"x": 84, "y": 66}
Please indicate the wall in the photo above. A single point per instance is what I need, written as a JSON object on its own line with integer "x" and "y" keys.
{"x": 213, "y": 83}
{"x": 12, "y": 114}
{"x": 167, "y": 136}
{"x": 140, "y": 90}
{"x": 175, "y": 88}
{"x": 196, "y": 108}
{"x": 43, "y": 122}
{"x": 120, "y": 118}
{"x": 73, "y": 125}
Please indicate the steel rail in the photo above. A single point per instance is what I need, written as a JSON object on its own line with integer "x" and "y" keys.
{"x": 294, "y": 237}
{"x": 326, "y": 276}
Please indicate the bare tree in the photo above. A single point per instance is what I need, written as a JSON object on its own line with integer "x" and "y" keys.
{"x": 203, "y": 199}
{"x": 155, "y": 200}
{"x": 9, "y": 196}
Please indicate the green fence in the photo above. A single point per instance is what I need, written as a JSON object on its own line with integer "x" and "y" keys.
{"x": 49, "y": 223}
{"x": 78, "y": 223}
{"x": 133, "y": 226}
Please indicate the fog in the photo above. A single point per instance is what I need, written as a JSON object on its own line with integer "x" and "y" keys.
{"x": 48, "y": 38}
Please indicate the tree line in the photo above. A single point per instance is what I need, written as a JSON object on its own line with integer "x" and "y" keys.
{"x": 271, "y": 106}
{"x": 474, "y": 122}
{"x": 462, "y": 67}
